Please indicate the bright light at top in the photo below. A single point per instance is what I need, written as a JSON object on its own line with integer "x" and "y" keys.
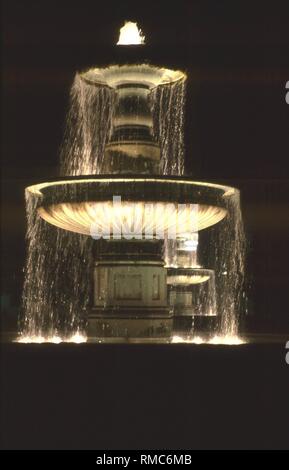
{"x": 130, "y": 34}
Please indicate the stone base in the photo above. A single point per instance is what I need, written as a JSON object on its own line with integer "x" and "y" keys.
{"x": 118, "y": 324}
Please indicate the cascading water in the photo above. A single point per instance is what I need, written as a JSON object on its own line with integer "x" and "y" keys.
{"x": 167, "y": 104}
{"x": 88, "y": 127}
{"x": 57, "y": 284}
{"x": 226, "y": 250}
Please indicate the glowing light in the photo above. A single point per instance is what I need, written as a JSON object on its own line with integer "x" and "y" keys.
{"x": 130, "y": 34}
{"x": 226, "y": 340}
{"x": 194, "y": 340}
{"x": 30, "y": 339}
{"x": 38, "y": 339}
{"x": 77, "y": 338}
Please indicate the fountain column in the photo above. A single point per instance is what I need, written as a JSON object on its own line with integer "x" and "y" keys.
{"x": 130, "y": 284}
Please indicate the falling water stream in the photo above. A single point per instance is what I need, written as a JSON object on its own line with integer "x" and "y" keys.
{"x": 226, "y": 250}
{"x": 57, "y": 282}
{"x": 167, "y": 104}
{"x": 88, "y": 128}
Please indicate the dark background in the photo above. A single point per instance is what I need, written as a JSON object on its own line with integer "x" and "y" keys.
{"x": 236, "y": 54}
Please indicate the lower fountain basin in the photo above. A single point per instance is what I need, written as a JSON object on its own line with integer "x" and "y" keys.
{"x": 131, "y": 206}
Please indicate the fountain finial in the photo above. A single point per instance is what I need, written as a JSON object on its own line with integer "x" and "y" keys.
{"x": 130, "y": 34}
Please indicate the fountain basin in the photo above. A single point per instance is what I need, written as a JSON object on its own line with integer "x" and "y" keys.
{"x": 77, "y": 204}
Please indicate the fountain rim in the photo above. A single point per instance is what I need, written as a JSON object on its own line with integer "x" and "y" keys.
{"x": 107, "y": 178}
{"x": 171, "y": 75}
{"x": 77, "y": 194}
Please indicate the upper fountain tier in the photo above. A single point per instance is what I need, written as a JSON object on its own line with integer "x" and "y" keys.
{"x": 132, "y": 146}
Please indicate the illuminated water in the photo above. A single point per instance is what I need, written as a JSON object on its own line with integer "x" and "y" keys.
{"x": 88, "y": 127}
{"x": 167, "y": 103}
{"x": 57, "y": 286}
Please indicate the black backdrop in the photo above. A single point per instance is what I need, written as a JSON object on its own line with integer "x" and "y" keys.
{"x": 236, "y": 55}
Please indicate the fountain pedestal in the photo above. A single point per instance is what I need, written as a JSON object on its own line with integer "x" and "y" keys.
{"x": 130, "y": 293}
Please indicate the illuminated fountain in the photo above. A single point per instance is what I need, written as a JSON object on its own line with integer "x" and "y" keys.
{"x": 113, "y": 245}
